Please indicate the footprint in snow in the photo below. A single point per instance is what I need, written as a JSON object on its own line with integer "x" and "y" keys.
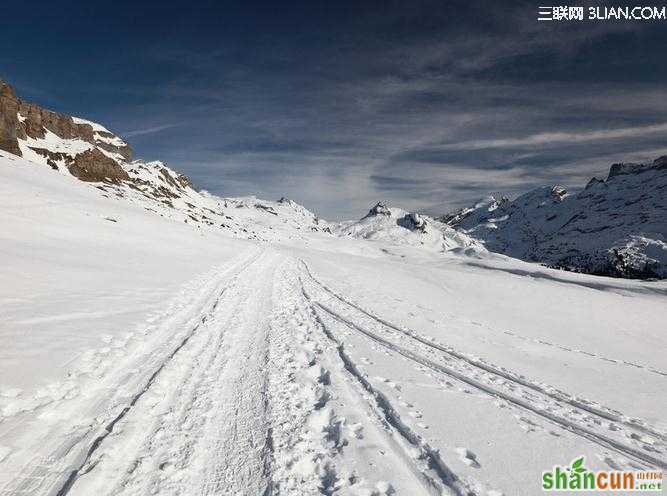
{"x": 383, "y": 488}
{"x": 468, "y": 457}
{"x": 357, "y": 430}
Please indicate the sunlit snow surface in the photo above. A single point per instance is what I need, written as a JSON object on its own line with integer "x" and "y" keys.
{"x": 157, "y": 349}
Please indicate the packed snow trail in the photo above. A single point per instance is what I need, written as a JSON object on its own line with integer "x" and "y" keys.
{"x": 259, "y": 402}
{"x": 607, "y": 428}
{"x": 254, "y": 399}
{"x": 204, "y": 427}
{"x": 259, "y": 383}
{"x": 59, "y": 450}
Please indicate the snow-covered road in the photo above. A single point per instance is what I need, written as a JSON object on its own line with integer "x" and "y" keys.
{"x": 268, "y": 381}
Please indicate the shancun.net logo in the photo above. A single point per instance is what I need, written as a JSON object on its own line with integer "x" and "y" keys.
{"x": 576, "y": 477}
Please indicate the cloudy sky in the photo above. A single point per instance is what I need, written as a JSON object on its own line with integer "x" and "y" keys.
{"x": 425, "y": 104}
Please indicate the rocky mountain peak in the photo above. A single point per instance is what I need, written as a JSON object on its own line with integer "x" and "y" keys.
{"x": 623, "y": 168}
{"x": 379, "y": 208}
{"x": 614, "y": 227}
{"x": 413, "y": 222}
{"x": 85, "y": 149}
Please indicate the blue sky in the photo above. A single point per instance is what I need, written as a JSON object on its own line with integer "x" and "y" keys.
{"x": 428, "y": 105}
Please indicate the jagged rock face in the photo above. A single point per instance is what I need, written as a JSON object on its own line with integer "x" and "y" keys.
{"x": 412, "y": 221}
{"x": 615, "y": 227}
{"x": 27, "y": 125}
{"x": 92, "y": 165}
{"x": 9, "y": 121}
{"x": 89, "y": 152}
{"x": 488, "y": 204}
{"x": 379, "y": 209}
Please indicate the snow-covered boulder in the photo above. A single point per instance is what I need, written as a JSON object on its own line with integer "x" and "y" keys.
{"x": 413, "y": 222}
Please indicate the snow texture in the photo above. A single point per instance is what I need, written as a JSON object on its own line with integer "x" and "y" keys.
{"x": 160, "y": 340}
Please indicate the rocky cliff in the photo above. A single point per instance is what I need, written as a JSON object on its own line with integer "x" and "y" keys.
{"x": 615, "y": 227}
{"x": 87, "y": 150}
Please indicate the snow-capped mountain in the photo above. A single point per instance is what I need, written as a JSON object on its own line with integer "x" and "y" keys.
{"x": 161, "y": 340}
{"x": 90, "y": 152}
{"x": 400, "y": 227}
{"x": 616, "y": 226}
{"x": 613, "y": 227}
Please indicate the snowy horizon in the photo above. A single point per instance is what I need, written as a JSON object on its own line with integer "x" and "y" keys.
{"x": 332, "y": 249}
{"x": 431, "y": 104}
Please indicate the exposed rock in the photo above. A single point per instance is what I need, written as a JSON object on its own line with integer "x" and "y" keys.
{"x": 266, "y": 208}
{"x": 20, "y": 120}
{"x": 488, "y": 204}
{"x": 413, "y": 222}
{"x": 93, "y": 165}
{"x": 558, "y": 192}
{"x": 9, "y": 121}
{"x": 178, "y": 181}
{"x": 53, "y": 158}
{"x": 632, "y": 168}
{"x": 184, "y": 181}
{"x": 379, "y": 209}
{"x": 615, "y": 227}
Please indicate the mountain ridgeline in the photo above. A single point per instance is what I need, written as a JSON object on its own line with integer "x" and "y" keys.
{"x": 614, "y": 227}
{"x": 89, "y": 152}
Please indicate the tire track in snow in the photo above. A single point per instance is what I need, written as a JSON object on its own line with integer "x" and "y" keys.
{"x": 553, "y": 393}
{"x": 583, "y": 431}
{"x": 74, "y": 475}
{"x": 446, "y": 480}
{"x": 41, "y": 475}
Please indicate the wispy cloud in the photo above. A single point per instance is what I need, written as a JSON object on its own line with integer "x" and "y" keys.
{"x": 426, "y": 103}
{"x": 150, "y": 130}
{"x": 558, "y": 137}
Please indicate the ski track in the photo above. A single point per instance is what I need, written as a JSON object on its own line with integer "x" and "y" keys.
{"x": 575, "y": 415}
{"x": 443, "y": 478}
{"x": 590, "y": 354}
{"x": 204, "y": 430}
{"x": 245, "y": 388}
{"x": 324, "y": 431}
{"x": 62, "y": 452}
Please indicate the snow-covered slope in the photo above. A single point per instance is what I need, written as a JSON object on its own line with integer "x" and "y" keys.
{"x": 145, "y": 349}
{"x": 397, "y": 227}
{"x": 615, "y": 227}
{"x": 88, "y": 151}
{"x": 145, "y": 355}
{"x": 165, "y": 192}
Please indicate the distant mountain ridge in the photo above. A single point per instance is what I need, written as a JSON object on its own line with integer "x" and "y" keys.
{"x": 90, "y": 152}
{"x": 399, "y": 227}
{"x": 615, "y": 227}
